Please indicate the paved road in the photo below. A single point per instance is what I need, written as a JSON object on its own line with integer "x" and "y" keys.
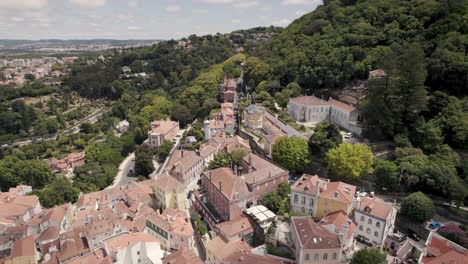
{"x": 93, "y": 118}
{"x": 122, "y": 176}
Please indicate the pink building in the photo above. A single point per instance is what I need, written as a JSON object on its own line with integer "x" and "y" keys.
{"x": 162, "y": 130}
{"x": 225, "y": 193}
{"x": 185, "y": 166}
{"x": 261, "y": 175}
{"x": 68, "y": 163}
{"x": 314, "y": 243}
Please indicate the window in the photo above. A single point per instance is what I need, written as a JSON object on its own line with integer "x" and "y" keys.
{"x": 303, "y": 200}
{"x": 138, "y": 252}
{"x": 334, "y": 255}
{"x": 360, "y": 227}
{"x": 377, "y": 224}
{"x": 311, "y": 203}
{"x": 311, "y": 212}
{"x": 368, "y": 231}
{"x": 325, "y": 256}
{"x": 376, "y": 234}
{"x": 369, "y": 221}
{"x": 316, "y": 257}
{"x": 295, "y": 198}
{"x": 307, "y": 257}
{"x": 362, "y": 218}
{"x": 302, "y": 209}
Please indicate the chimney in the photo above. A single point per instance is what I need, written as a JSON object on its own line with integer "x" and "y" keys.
{"x": 235, "y": 170}
{"x": 210, "y": 174}
{"x": 250, "y": 159}
{"x": 317, "y": 187}
{"x": 182, "y": 153}
{"x": 269, "y": 174}
{"x": 220, "y": 186}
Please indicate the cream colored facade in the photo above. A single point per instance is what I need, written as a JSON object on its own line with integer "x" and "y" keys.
{"x": 253, "y": 116}
{"x": 169, "y": 193}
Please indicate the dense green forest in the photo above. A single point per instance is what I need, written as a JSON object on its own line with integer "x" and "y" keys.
{"x": 343, "y": 40}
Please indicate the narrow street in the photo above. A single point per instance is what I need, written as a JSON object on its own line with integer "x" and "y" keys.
{"x": 122, "y": 176}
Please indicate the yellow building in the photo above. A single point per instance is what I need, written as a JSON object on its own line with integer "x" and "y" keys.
{"x": 337, "y": 196}
{"x": 169, "y": 192}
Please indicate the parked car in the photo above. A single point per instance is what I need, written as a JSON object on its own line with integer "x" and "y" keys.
{"x": 413, "y": 235}
{"x": 434, "y": 225}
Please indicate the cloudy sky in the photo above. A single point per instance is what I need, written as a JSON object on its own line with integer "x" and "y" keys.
{"x": 141, "y": 19}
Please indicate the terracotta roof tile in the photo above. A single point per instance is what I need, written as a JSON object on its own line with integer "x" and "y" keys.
{"x": 375, "y": 207}
{"x": 339, "y": 191}
{"x": 231, "y": 184}
{"x": 125, "y": 240}
{"x": 182, "y": 256}
{"x": 233, "y": 228}
{"x": 223, "y": 249}
{"x": 308, "y": 100}
{"x": 308, "y": 184}
{"x": 341, "y": 105}
{"x": 339, "y": 219}
{"x": 312, "y": 235}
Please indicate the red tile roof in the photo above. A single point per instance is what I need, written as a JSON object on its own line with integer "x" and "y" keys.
{"x": 311, "y": 235}
{"x": 343, "y": 106}
{"x": 339, "y": 191}
{"x": 375, "y": 207}
{"x": 308, "y": 100}
{"x": 442, "y": 251}
{"x": 23, "y": 247}
{"x": 308, "y": 184}
{"x": 339, "y": 219}
{"x": 228, "y": 183}
{"x": 182, "y": 256}
{"x": 233, "y": 228}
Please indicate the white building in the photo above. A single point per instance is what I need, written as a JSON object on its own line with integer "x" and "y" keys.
{"x": 134, "y": 248}
{"x": 313, "y": 109}
{"x": 304, "y": 194}
{"x": 375, "y": 219}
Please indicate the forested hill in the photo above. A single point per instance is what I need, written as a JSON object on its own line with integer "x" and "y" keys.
{"x": 343, "y": 39}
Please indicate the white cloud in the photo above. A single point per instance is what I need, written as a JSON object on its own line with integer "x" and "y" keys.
{"x": 173, "y": 8}
{"x": 17, "y": 19}
{"x": 245, "y": 4}
{"x": 215, "y": 1}
{"x": 199, "y": 11}
{"x": 133, "y": 28}
{"x": 88, "y": 3}
{"x": 235, "y": 21}
{"x": 281, "y": 23}
{"x": 302, "y": 2}
{"x": 300, "y": 13}
{"x": 22, "y": 4}
{"x": 234, "y": 3}
{"x": 132, "y": 3}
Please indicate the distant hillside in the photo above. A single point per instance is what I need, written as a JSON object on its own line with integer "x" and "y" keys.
{"x": 342, "y": 40}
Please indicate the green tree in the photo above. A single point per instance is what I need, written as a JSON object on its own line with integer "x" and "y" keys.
{"x": 237, "y": 154}
{"x": 255, "y": 71}
{"x": 220, "y": 160}
{"x": 369, "y": 256}
{"x": 326, "y": 136}
{"x": 272, "y": 201}
{"x": 387, "y": 175}
{"x": 165, "y": 149}
{"x": 143, "y": 160}
{"x": 352, "y": 161}
{"x": 30, "y": 77}
{"x": 291, "y": 153}
{"x": 284, "y": 189}
{"x": 58, "y": 192}
{"x": 417, "y": 207}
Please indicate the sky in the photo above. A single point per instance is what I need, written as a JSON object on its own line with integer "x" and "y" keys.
{"x": 142, "y": 19}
